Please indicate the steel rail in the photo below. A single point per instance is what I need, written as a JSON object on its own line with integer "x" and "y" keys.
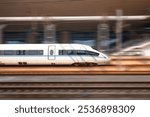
{"x": 74, "y": 85}
{"x": 111, "y": 69}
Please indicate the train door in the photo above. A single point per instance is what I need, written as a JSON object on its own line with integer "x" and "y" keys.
{"x": 51, "y": 52}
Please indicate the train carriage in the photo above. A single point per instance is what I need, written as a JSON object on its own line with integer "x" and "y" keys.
{"x": 50, "y": 54}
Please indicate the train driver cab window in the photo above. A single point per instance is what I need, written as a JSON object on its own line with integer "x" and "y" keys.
{"x": 81, "y": 52}
{"x": 92, "y": 53}
{"x": 51, "y": 52}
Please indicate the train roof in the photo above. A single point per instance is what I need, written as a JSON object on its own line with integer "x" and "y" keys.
{"x": 25, "y": 46}
{"x": 47, "y": 44}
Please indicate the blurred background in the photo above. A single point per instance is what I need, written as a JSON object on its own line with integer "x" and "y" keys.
{"x": 132, "y": 36}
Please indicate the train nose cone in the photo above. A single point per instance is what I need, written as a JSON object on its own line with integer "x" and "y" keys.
{"x": 106, "y": 59}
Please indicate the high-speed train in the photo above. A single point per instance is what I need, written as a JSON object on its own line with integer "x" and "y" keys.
{"x": 50, "y": 54}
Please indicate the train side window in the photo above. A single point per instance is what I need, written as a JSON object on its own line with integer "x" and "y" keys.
{"x": 65, "y": 52}
{"x": 1, "y": 52}
{"x": 34, "y": 52}
{"x": 9, "y": 52}
{"x": 20, "y": 52}
{"x": 60, "y": 52}
{"x": 74, "y": 52}
{"x": 23, "y": 52}
{"x": 40, "y": 52}
{"x": 17, "y": 52}
{"x": 70, "y": 52}
{"x": 51, "y": 52}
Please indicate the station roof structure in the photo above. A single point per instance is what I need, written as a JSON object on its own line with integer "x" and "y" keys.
{"x": 72, "y": 7}
{"x": 52, "y": 8}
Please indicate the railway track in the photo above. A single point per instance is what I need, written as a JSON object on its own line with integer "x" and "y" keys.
{"x": 118, "y": 65}
{"x": 111, "y": 69}
{"x": 78, "y": 88}
{"x": 74, "y": 90}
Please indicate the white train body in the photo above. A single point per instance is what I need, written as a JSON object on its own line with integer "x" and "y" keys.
{"x": 50, "y": 54}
